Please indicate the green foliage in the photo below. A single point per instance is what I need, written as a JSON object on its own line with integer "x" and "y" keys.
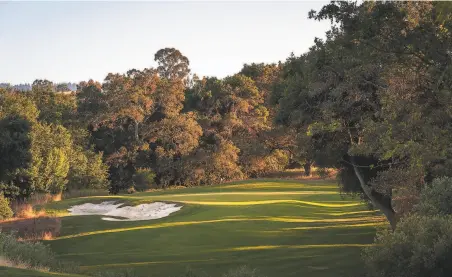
{"x": 39, "y": 157}
{"x": 5, "y": 209}
{"x": 19, "y": 105}
{"x": 31, "y": 254}
{"x": 15, "y": 156}
{"x": 420, "y": 246}
{"x": 172, "y": 64}
{"x": 375, "y": 97}
{"x": 51, "y": 146}
{"x": 87, "y": 170}
{"x": 54, "y": 107}
{"x": 143, "y": 179}
{"x": 436, "y": 198}
{"x": 322, "y": 172}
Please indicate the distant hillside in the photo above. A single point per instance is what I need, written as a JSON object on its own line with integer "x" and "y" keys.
{"x": 27, "y": 87}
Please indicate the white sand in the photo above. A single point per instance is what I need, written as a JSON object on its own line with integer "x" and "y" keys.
{"x": 127, "y": 213}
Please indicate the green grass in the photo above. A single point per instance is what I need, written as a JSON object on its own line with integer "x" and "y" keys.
{"x": 16, "y": 272}
{"x": 282, "y": 228}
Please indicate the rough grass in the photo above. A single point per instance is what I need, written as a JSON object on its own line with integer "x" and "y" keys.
{"x": 20, "y": 272}
{"x": 282, "y": 228}
{"x": 39, "y": 228}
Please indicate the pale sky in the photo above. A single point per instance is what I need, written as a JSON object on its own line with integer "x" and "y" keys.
{"x": 76, "y": 41}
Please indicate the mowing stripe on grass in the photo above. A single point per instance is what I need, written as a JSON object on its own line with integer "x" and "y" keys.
{"x": 184, "y": 223}
{"x": 243, "y": 248}
{"x": 144, "y": 263}
{"x": 247, "y": 193}
{"x": 348, "y": 213}
{"x": 266, "y": 202}
{"x": 278, "y": 186}
{"x": 305, "y": 246}
{"x": 381, "y": 223}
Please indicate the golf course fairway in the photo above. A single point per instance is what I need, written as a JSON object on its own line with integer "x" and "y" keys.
{"x": 281, "y": 228}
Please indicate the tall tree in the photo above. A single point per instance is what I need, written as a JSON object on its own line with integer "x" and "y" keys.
{"x": 172, "y": 64}
{"x": 370, "y": 98}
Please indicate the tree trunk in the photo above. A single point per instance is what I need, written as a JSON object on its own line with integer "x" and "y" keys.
{"x": 137, "y": 138}
{"x": 377, "y": 199}
{"x": 307, "y": 169}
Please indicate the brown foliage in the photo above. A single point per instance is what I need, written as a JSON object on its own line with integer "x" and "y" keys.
{"x": 38, "y": 228}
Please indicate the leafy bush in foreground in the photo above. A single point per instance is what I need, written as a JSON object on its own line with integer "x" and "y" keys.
{"x": 30, "y": 254}
{"x": 420, "y": 246}
{"x": 436, "y": 198}
{"x": 5, "y": 209}
{"x": 34, "y": 255}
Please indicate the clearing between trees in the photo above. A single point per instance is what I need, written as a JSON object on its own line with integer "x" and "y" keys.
{"x": 282, "y": 228}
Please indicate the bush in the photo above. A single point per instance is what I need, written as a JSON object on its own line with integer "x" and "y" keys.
{"x": 33, "y": 255}
{"x": 436, "y": 198}
{"x": 323, "y": 173}
{"x": 420, "y": 246}
{"x": 143, "y": 179}
{"x": 5, "y": 209}
{"x": 29, "y": 254}
{"x": 87, "y": 171}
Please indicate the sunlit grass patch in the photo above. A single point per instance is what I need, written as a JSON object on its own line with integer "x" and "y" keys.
{"x": 306, "y": 246}
{"x": 282, "y": 228}
{"x": 278, "y": 185}
{"x": 267, "y": 202}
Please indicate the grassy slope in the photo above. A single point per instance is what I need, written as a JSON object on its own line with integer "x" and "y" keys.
{"x": 283, "y": 228}
{"x": 15, "y": 272}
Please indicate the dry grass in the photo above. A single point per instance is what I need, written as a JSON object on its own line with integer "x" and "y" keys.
{"x": 30, "y": 223}
{"x": 298, "y": 174}
{"x": 83, "y": 193}
{"x": 38, "y": 228}
{"x": 57, "y": 197}
{"x": 24, "y": 208}
{"x": 27, "y": 211}
{"x": 7, "y": 263}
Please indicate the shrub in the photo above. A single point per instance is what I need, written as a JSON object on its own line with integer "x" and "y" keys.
{"x": 436, "y": 198}
{"x": 143, "y": 179}
{"x": 42, "y": 228}
{"x": 31, "y": 254}
{"x": 5, "y": 209}
{"x": 87, "y": 171}
{"x": 420, "y": 246}
{"x": 323, "y": 173}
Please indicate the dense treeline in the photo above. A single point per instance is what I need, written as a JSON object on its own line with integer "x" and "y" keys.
{"x": 152, "y": 127}
{"x": 62, "y": 87}
{"x": 374, "y": 98}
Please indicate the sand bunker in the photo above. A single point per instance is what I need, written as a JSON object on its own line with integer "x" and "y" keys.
{"x": 111, "y": 209}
